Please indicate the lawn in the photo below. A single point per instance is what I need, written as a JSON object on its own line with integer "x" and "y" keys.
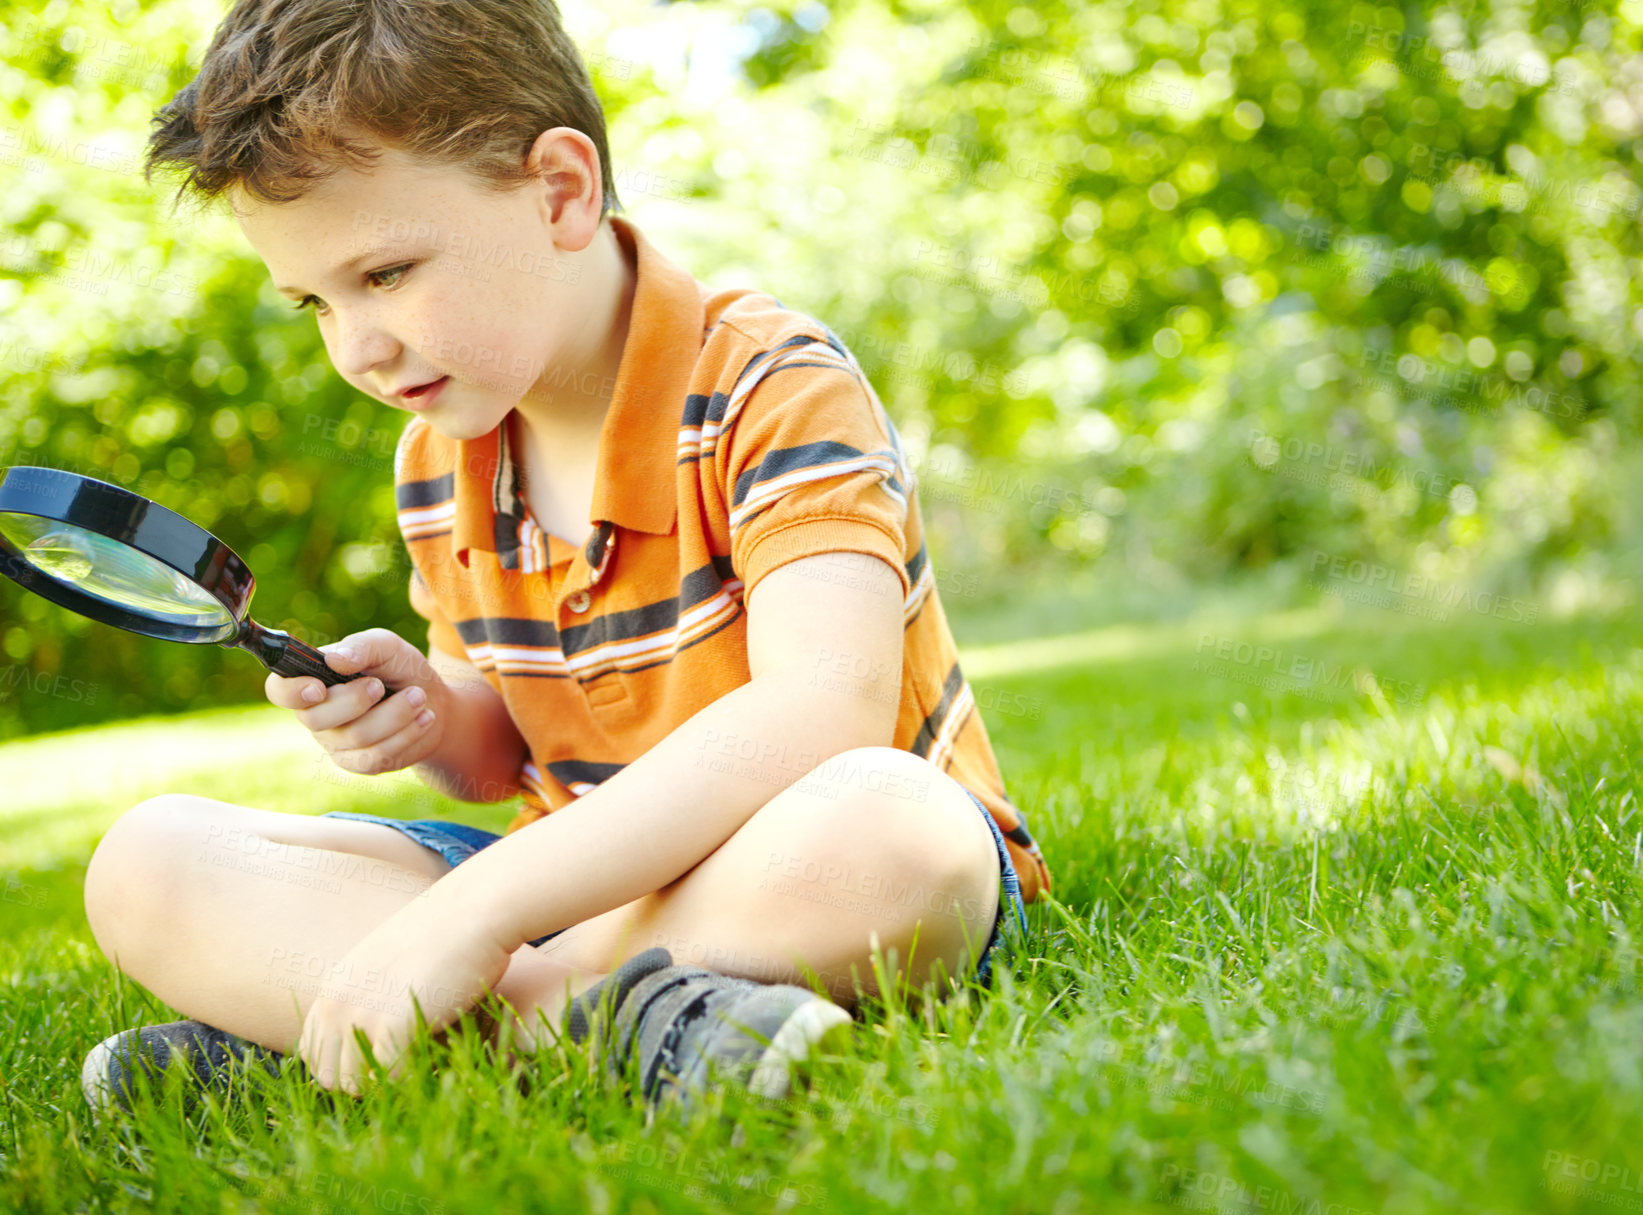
{"x": 1345, "y": 920}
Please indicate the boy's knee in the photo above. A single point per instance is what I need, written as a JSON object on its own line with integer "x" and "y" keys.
{"x": 127, "y": 867}
{"x": 147, "y": 820}
{"x": 920, "y": 822}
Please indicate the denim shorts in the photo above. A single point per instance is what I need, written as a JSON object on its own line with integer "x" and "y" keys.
{"x": 456, "y": 842}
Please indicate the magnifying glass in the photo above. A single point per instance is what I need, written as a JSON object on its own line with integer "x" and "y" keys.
{"x": 115, "y": 556}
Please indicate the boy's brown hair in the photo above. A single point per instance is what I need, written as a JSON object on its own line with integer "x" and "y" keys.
{"x": 468, "y": 83}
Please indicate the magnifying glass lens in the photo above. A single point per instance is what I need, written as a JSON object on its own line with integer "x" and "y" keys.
{"x": 95, "y": 565}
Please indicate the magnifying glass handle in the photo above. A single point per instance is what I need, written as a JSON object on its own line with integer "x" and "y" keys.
{"x": 300, "y": 658}
{"x": 286, "y": 655}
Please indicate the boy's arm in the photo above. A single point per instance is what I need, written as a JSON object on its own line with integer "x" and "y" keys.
{"x": 482, "y": 750}
{"x": 825, "y": 655}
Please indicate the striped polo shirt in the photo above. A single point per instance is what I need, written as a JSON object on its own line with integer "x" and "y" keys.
{"x": 741, "y": 435}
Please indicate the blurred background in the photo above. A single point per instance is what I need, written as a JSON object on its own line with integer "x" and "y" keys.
{"x": 1166, "y": 298}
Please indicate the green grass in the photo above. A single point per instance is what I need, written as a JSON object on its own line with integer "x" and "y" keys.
{"x": 1317, "y": 944}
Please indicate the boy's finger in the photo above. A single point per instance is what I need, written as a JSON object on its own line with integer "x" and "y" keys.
{"x": 292, "y": 692}
{"x": 352, "y": 666}
{"x": 338, "y": 721}
{"x": 346, "y": 657}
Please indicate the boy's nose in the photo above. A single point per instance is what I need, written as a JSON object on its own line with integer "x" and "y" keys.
{"x": 362, "y": 349}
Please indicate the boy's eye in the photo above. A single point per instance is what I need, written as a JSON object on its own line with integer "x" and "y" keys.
{"x": 312, "y": 301}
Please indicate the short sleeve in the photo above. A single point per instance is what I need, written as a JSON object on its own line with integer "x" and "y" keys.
{"x": 411, "y": 464}
{"x": 442, "y": 634}
{"x": 811, "y": 463}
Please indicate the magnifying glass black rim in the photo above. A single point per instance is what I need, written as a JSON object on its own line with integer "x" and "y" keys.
{"x": 137, "y": 522}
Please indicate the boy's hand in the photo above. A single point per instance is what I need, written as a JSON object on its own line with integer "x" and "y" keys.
{"x": 445, "y": 959}
{"x": 361, "y": 727}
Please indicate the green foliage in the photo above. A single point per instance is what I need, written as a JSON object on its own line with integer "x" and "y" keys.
{"x": 1257, "y": 279}
{"x": 1187, "y": 286}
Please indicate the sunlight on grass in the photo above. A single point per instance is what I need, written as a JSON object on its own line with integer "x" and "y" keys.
{"x": 1126, "y": 643}
{"x": 63, "y": 790}
{"x": 111, "y": 760}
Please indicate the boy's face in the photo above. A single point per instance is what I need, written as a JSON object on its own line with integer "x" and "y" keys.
{"x": 489, "y": 289}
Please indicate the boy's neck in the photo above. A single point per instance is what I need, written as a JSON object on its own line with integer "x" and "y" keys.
{"x": 573, "y": 398}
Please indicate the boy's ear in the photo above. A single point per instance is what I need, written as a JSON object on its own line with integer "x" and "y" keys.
{"x": 572, "y": 189}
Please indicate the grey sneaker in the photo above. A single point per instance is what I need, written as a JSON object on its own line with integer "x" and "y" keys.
{"x": 213, "y": 1054}
{"x": 689, "y": 1028}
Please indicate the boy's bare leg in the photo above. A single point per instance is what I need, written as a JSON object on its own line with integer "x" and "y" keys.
{"x": 234, "y": 915}
{"x": 811, "y": 882}
{"x": 819, "y": 875}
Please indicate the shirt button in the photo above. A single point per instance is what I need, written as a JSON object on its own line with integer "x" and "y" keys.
{"x": 578, "y": 602}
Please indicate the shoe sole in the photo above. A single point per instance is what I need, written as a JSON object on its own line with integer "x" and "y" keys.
{"x": 809, "y": 1025}
{"x": 100, "y": 1094}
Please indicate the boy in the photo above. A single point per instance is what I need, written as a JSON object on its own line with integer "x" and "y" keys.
{"x": 733, "y": 706}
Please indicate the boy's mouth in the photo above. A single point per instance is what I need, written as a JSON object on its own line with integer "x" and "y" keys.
{"x": 424, "y": 388}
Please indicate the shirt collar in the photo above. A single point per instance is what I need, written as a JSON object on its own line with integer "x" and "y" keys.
{"x": 634, "y": 478}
